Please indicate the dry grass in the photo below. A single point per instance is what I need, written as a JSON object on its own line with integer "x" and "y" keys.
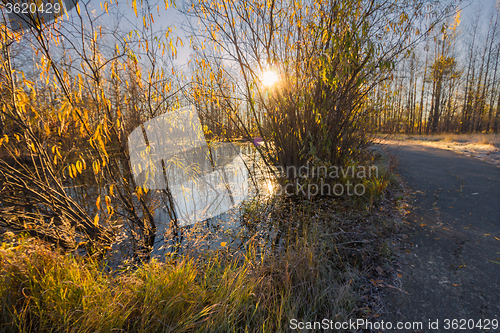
{"x": 485, "y": 139}
{"x": 485, "y": 147}
{"x": 45, "y": 291}
{"x": 315, "y": 269}
{"x": 491, "y": 139}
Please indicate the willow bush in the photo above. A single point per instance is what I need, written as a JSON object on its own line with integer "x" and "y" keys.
{"x": 65, "y": 116}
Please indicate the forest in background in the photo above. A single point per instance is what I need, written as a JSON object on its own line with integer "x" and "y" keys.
{"x": 450, "y": 83}
{"x": 447, "y": 83}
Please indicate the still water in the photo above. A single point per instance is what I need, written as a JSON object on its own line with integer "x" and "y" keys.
{"x": 197, "y": 186}
{"x": 208, "y": 187}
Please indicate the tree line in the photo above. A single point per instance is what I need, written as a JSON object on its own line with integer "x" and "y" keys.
{"x": 450, "y": 83}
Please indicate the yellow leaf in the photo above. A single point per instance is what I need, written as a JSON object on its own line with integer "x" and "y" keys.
{"x": 78, "y": 8}
{"x": 79, "y": 166}
{"x": 96, "y": 220}
{"x": 98, "y": 202}
{"x": 111, "y": 189}
{"x": 101, "y": 144}
{"x": 73, "y": 168}
{"x": 108, "y": 204}
{"x": 134, "y": 5}
{"x": 96, "y": 166}
{"x": 223, "y": 244}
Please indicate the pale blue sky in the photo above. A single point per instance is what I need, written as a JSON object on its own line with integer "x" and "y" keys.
{"x": 174, "y": 18}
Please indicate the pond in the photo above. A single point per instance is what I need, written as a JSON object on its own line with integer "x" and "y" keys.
{"x": 208, "y": 200}
{"x": 199, "y": 185}
{"x": 209, "y": 186}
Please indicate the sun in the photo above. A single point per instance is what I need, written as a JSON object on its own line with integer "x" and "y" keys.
{"x": 269, "y": 78}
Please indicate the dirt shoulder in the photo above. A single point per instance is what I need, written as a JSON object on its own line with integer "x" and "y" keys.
{"x": 485, "y": 147}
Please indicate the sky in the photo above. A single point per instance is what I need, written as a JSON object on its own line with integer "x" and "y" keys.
{"x": 163, "y": 19}
{"x": 173, "y": 18}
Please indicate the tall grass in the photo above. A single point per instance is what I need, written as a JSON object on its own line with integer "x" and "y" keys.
{"x": 46, "y": 291}
{"x": 301, "y": 260}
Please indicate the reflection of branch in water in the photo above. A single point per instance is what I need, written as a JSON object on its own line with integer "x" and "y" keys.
{"x": 217, "y": 157}
{"x": 225, "y": 176}
{"x": 171, "y": 208}
{"x": 203, "y": 181}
